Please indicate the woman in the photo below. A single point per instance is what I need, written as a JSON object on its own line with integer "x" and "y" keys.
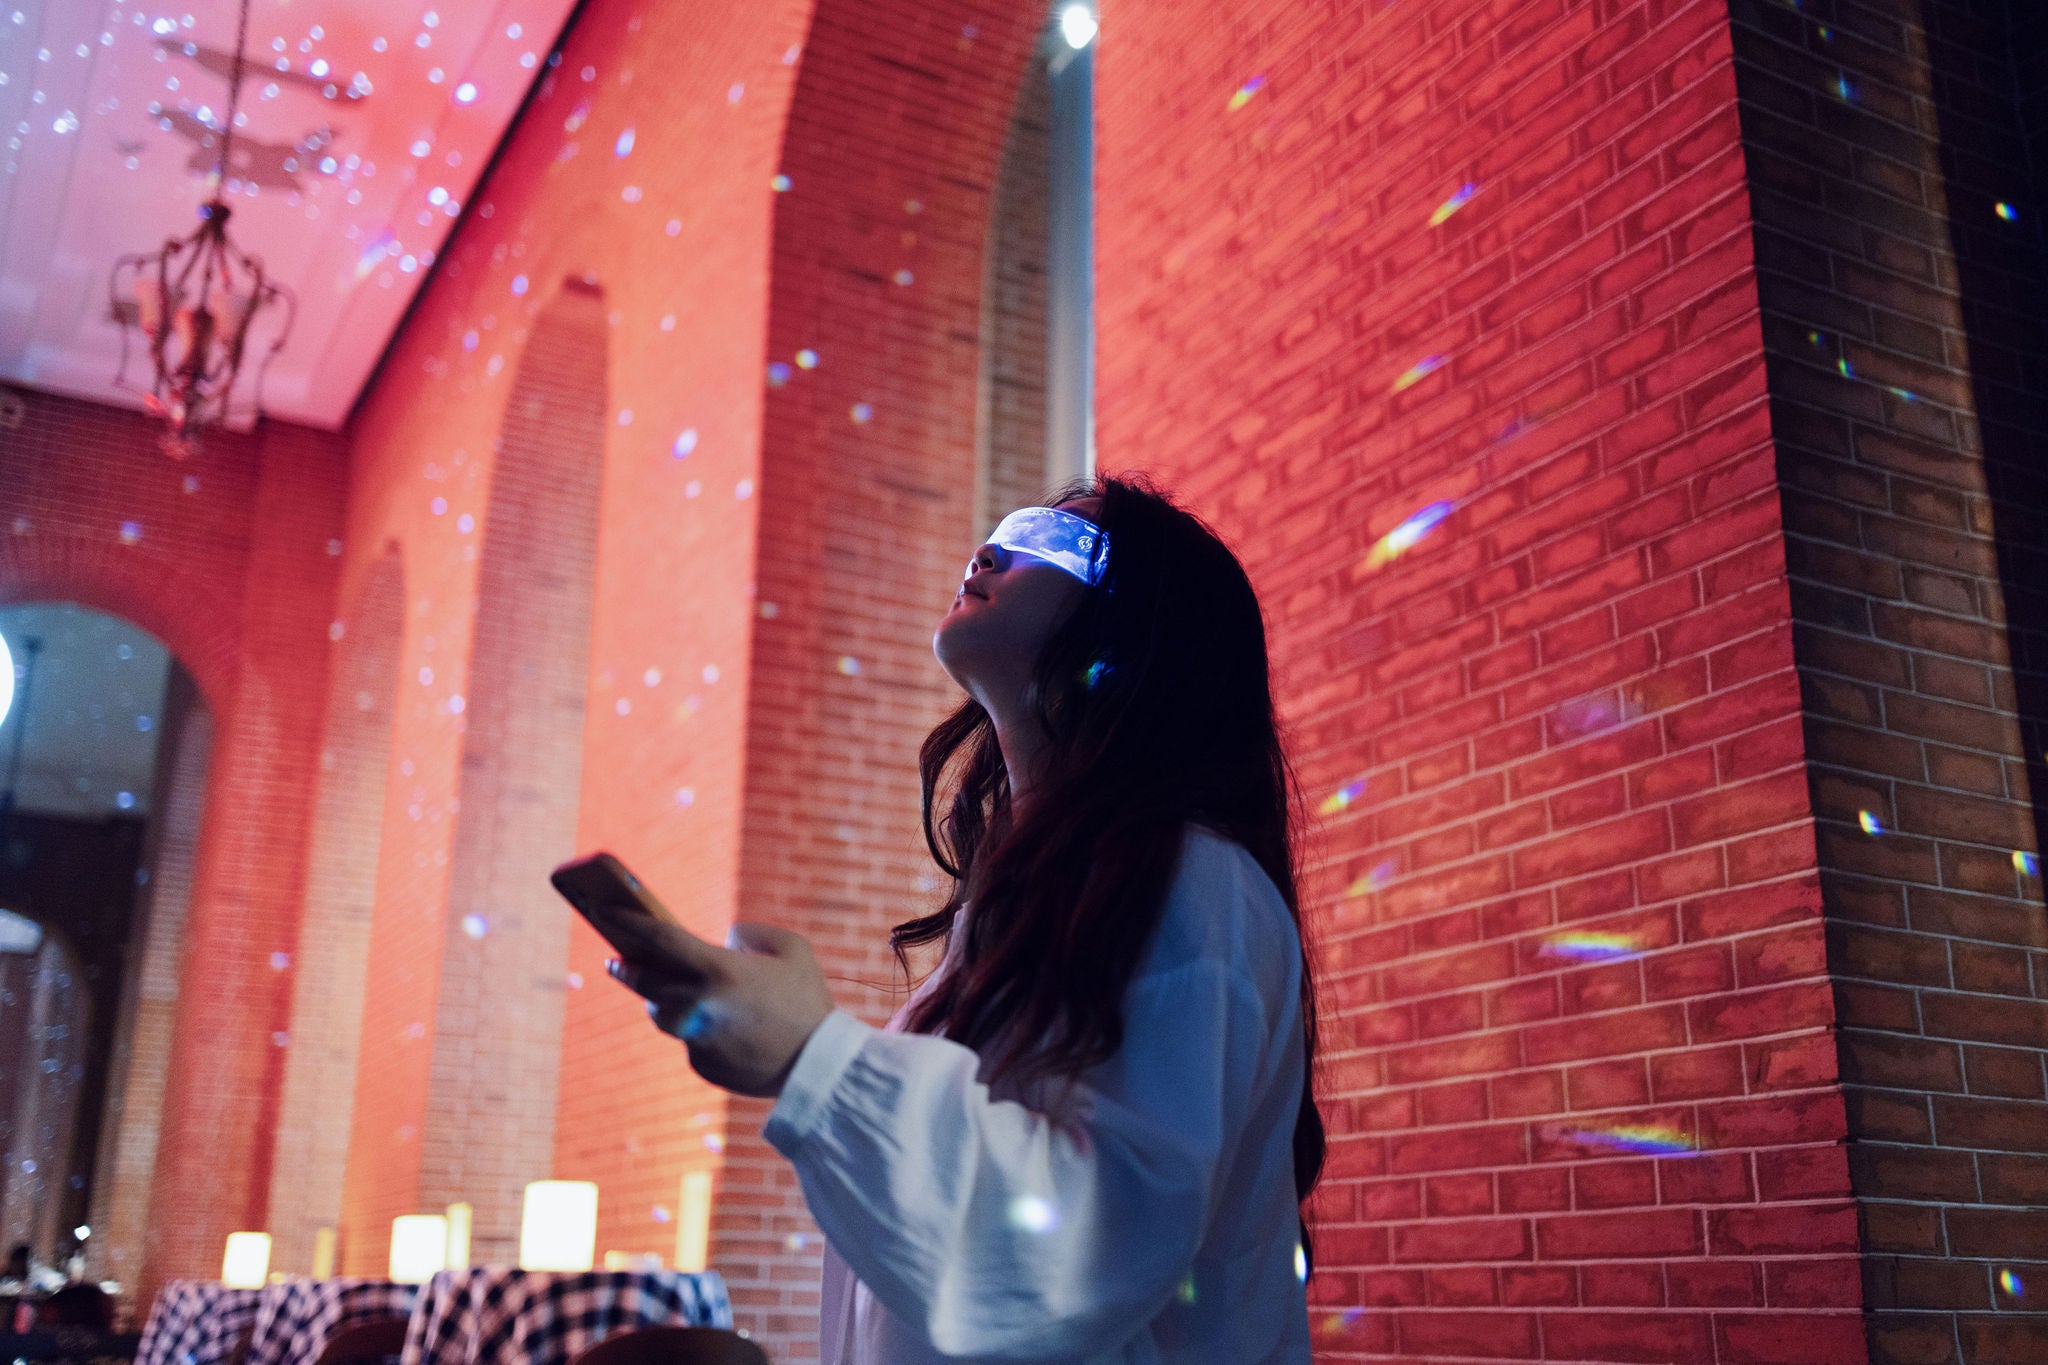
{"x": 1086, "y": 1136}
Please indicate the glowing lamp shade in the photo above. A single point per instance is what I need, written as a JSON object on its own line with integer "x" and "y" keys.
{"x": 693, "y": 1222}
{"x": 558, "y": 1227}
{"x": 461, "y": 1218}
{"x": 247, "y": 1261}
{"x": 323, "y": 1253}
{"x": 419, "y": 1247}
{"x": 6, "y": 679}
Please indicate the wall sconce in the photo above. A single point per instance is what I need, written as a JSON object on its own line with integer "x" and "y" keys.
{"x": 247, "y": 1260}
{"x": 558, "y": 1226}
{"x": 419, "y": 1247}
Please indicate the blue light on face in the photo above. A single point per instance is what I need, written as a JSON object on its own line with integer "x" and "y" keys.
{"x": 1058, "y": 538}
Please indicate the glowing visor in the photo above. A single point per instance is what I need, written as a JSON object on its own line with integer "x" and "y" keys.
{"x": 1059, "y": 538}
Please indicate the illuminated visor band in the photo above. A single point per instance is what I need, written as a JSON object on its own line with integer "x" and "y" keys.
{"x": 1059, "y": 538}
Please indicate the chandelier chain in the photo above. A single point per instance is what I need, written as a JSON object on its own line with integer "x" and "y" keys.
{"x": 227, "y": 139}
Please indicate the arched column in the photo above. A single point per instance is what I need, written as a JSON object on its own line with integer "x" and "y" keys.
{"x": 329, "y": 965}
{"x": 866, "y": 507}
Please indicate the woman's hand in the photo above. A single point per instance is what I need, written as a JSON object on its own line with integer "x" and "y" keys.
{"x": 745, "y": 1015}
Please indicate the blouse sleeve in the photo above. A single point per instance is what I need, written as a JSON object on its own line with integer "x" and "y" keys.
{"x": 990, "y": 1229}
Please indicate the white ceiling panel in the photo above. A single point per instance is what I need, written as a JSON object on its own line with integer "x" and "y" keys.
{"x": 364, "y": 127}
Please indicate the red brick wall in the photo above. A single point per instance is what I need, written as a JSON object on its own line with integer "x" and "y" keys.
{"x": 675, "y": 234}
{"x": 227, "y": 560}
{"x": 1573, "y": 704}
{"x": 1897, "y": 319}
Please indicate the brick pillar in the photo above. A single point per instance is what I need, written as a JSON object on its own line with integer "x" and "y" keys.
{"x": 228, "y": 1045}
{"x": 149, "y": 990}
{"x": 1905, "y": 349}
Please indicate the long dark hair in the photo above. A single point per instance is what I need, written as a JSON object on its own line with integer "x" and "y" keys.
{"x": 1157, "y": 699}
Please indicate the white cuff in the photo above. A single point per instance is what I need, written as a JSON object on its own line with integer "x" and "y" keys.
{"x": 823, "y": 1060}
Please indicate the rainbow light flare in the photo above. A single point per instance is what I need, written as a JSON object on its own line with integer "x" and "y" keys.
{"x": 1650, "y": 1139}
{"x": 373, "y": 255}
{"x": 1591, "y": 947}
{"x": 1415, "y": 373}
{"x": 1402, "y": 538}
{"x": 2011, "y": 1283}
{"x": 2006, "y": 211}
{"x": 1244, "y": 93}
{"x": 1342, "y": 797}
{"x": 1869, "y": 821}
{"x": 1454, "y": 203}
{"x": 2025, "y": 863}
{"x": 1338, "y": 1323}
{"x": 1373, "y": 880}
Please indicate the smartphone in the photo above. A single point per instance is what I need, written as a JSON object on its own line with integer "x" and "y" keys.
{"x": 611, "y": 898}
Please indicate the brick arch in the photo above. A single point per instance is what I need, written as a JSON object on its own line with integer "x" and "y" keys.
{"x": 1012, "y": 429}
{"x": 138, "y": 584}
{"x": 863, "y": 524}
{"x": 331, "y": 960}
{"x": 482, "y": 1095}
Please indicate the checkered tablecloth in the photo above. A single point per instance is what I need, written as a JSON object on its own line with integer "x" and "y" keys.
{"x": 296, "y": 1318}
{"x": 499, "y": 1315}
{"x": 196, "y": 1322}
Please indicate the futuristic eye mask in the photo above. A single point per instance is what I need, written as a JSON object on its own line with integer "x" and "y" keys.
{"x": 1058, "y": 538}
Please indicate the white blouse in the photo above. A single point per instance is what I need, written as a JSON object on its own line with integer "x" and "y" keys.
{"x": 1144, "y": 1215}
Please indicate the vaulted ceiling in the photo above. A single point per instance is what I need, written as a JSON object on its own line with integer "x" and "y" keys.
{"x": 364, "y": 127}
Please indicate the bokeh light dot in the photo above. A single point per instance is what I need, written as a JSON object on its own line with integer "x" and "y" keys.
{"x": 1032, "y": 1213}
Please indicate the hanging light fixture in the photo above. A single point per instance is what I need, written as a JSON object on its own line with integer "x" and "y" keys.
{"x": 193, "y": 299}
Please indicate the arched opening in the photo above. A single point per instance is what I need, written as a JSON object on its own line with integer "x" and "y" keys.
{"x": 487, "y": 1120}
{"x": 106, "y": 754}
{"x": 1037, "y": 426}
{"x": 334, "y": 934}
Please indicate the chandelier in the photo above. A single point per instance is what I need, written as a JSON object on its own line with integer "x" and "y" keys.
{"x": 193, "y": 300}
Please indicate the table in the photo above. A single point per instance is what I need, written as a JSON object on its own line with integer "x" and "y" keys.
{"x": 297, "y": 1316}
{"x": 197, "y": 1322}
{"x": 500, "y": 1315}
